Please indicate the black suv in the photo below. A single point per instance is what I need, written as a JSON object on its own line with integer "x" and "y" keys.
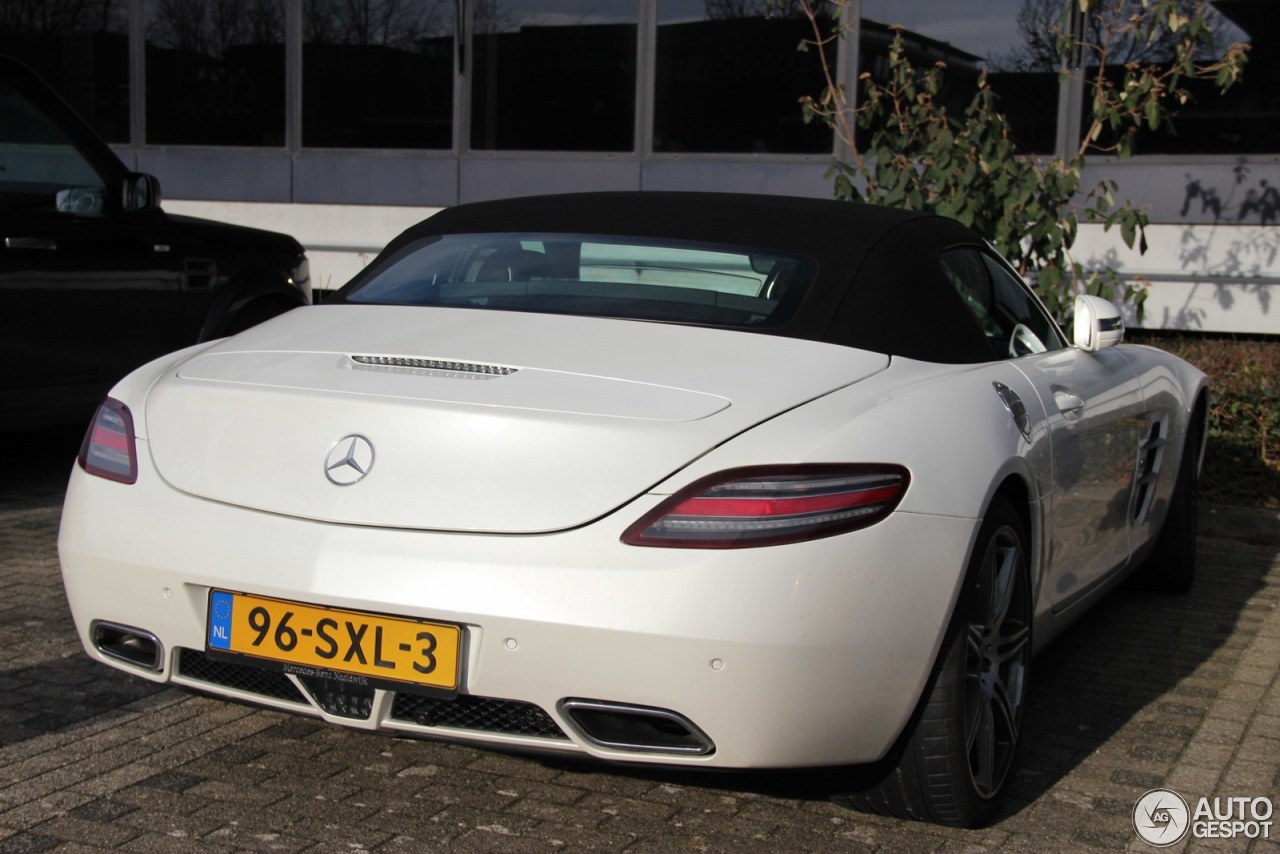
{"x": 95, "y": 279}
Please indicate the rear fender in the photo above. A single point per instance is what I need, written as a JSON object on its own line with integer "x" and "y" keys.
{"x": 947, "y": 424}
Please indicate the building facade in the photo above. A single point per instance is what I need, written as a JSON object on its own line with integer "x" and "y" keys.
{"x": 342, "y": 121}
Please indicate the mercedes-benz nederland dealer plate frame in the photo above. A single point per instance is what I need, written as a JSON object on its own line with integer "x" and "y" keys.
{"x": 399, "y": 653}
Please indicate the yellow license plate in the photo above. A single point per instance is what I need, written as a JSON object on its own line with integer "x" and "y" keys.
{"x": 391, "y": 649}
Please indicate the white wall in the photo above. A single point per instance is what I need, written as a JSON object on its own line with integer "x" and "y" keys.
{"x": 1202, "y": 277}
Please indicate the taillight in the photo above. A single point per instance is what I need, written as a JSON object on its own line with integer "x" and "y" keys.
{"x": 109, "y": 449}
{"x": 770, "y": 505}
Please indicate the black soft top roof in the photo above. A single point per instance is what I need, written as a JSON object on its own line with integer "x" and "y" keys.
{"x": 879, "y": 284}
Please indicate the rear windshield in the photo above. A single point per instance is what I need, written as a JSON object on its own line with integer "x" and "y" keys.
{"x": 637, "y": 278}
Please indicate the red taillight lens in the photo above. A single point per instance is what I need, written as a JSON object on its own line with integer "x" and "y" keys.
{"x": 770, "y": 505}
{"x": 110, "y": 449}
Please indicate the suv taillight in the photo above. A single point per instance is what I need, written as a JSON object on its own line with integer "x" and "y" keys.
{"x": 771, "y": 505}
{"x": 110, "y": 449}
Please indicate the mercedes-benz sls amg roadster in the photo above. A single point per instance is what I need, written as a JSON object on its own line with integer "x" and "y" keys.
{"x": 702, "y": 480}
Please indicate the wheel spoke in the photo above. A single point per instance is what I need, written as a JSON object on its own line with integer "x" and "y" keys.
{"x": 1014, "y": 645}
{"x": 973, "y": 703}
{"x": 1003, "y": 713}
{"x": 973, "y": 643}
{"x": 1004, "y": 582}
{"x": 982, "y": 749}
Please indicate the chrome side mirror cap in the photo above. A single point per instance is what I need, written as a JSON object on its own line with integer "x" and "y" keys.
{"x": 1098, "y": 323}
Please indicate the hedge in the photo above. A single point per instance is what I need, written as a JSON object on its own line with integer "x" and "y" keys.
{"x": 1242, "y": 460}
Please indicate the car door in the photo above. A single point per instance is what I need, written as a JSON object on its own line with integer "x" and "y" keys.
{"x": 1096, "y": 424}
{"x": 84, "y": 284}
{"x": 1094, "y": 417}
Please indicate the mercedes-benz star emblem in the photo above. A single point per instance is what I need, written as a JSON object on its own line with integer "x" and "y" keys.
{"x": 349, "y": 460}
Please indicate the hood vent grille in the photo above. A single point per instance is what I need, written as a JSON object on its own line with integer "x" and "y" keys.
{"x": 413, "y": 364}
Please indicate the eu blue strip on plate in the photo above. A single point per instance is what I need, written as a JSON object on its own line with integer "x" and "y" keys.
{"x": 220, "y": 620}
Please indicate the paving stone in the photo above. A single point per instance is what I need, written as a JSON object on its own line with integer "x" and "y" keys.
{"x": 462, "y": 819}
{"x": 27, "y": 843}
{"x": 193, "y": 820}
{"x": 101, "y": 810}
{"x": 172, "y": 781}
{"x": 1138, "y": 779}
{"x": 1190, "y": 778}
{"x": 102, "y": 834}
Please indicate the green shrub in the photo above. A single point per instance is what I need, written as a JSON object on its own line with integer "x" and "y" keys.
{"x": 1242, "y": 461}
{"x": 899, "y": 145}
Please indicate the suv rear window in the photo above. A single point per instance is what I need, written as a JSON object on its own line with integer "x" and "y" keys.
{"x": 610, "y": 276}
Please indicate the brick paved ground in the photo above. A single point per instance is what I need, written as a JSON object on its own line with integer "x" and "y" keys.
{"x": 1145, "y": 692}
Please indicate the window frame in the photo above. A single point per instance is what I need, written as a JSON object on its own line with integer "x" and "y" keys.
{"x": 996, "y": 268}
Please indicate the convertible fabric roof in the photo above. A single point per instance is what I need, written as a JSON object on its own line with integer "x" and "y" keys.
{"x": 879, "y": 284}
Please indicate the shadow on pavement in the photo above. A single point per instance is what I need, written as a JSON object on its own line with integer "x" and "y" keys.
{"x": 37, "y": 466}
{"x": 57, "y": 695}
{"x": 1132, "y": 649}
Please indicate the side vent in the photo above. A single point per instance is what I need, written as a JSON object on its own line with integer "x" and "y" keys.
{"x": 1150, "y": 460}
{"x": 1017, "y": 409}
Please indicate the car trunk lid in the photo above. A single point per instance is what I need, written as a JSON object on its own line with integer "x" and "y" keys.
{"x": 474, "y": 420}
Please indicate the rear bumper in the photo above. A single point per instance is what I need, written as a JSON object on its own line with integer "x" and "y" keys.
{"x": 792, "y": 656}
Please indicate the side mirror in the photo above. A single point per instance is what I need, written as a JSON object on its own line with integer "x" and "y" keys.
{"x": 141, "y": 192}
{"x": 1098, "y": 324}
{"x": 83, "y": 201}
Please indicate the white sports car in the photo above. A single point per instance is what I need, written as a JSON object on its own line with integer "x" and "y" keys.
{"x": 702, "y": 480}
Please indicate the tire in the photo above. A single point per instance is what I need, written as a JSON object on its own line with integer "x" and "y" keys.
{"x": 1171, "y": 566}
{"x": 952, "y": 764}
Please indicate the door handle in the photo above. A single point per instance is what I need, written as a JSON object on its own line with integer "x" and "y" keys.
{"x": 1068, "y": 403}
{"x": 41, "y": 243}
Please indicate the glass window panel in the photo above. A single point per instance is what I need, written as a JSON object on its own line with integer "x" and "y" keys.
{"x": 639, "y": 278}
{"x": 81, "y": 49}
{"x": 1009, "y": 315}
{"x": 215, "y": 72}
{"x": 729, "y": 78}
{"x": 1243, "y": 120}
{"x": 42, "y": 168}
{"x": 378, "y": 74}
{"x": 554, "y": 75}
{"x": 1002, "y": 36}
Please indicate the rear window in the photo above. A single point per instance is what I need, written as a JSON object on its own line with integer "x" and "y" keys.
{"x": 609, "y": 276}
